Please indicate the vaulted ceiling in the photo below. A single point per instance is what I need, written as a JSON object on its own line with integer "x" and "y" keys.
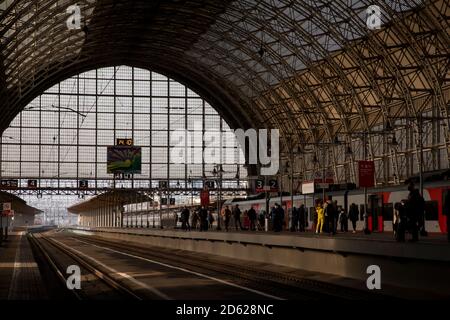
{"x": 311, "y": 68}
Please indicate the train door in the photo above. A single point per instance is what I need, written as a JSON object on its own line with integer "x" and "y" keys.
{"x": 375, "y": 213}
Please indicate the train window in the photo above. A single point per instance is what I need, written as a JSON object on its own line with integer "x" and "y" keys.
{"x": 388, "y": 211}
{"x": 431, "y": 210}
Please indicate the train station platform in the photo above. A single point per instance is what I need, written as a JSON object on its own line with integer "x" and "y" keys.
{"x": 424, "y": 264}
{"x": 20, "y": 278}
{"x": 432, "y": 247}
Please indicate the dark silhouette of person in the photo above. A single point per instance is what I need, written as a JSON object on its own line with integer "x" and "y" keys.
{"x": 400, "y": 221}
{"x": 302, "y": 218}
{"x": 415, "y": 210}
{"x": 353, "y": 215}
{"x": 226, "y": 214}
{"x": 203, "y": 213}
{"x": 294, "y": 219}
{"x": 185, "y": 213}
{"x": 278, "y": 219}
{"x": 237, "y": 217}
{"x": 331, "y": 213}
{"x": 252, "y": 217}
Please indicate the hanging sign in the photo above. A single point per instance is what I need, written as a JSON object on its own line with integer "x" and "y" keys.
{"x": 204, "y": 197}
{"x": 366, "y": 174}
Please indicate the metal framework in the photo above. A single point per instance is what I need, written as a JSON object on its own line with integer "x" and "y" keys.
{"x": 61, "y": 137}
{"x": 310, "y": 68}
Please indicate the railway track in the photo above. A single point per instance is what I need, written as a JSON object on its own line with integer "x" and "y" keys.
{"x": 59, "y": 256}
{"x": 289, "y": 286}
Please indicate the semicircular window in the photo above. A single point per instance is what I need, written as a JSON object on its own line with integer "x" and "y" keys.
{"x": 62, "y": 136}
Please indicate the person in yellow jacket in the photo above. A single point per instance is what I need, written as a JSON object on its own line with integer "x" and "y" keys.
{"x": 320, "y": 217}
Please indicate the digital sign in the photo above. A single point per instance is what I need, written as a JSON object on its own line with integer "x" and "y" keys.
{"x": 124, "y": 159}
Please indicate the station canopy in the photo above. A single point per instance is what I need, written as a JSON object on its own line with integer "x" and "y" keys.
{"x": 17, "y": 204}
{"x": 110, "y": 198}
{"x": 312, "y": 68}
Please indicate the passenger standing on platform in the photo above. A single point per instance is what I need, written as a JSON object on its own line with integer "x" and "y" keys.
{"x": 331, "y": 213}
{"x": 416, "y": 209}
{"x": 252, "y": 217}
{"x": 210, "y": 220}
{"x": 226, "y": 216}
{"x": 203, "y": 219}
{"x": 418, "y": 204}
{"x": 320, "y": 217}
{"x": 302, "y": 217}
{"x": 353, "y": 216}
{"x": 185, "y": 219}
{"x": 261, "y": 219}
{"x": 273, "y": 213}
{"x": 272, "y": 216}
{"x": 326, "y": 218}
{"x": 294, "y": 219}
{"x": 400, "y": 221}
{"x": 343, "y": 220}
{"x": 279, "y": 217}
{"x": 446, "y": 213}
{"x": 336, "y": 216}
{"x": 195, "y": 218}
{"x": 237, "y": 217}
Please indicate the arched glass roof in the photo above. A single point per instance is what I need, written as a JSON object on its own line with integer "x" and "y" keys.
{"x": 315, "y": 69}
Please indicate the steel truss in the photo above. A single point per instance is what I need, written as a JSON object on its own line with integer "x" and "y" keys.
{"x": 309, "y": 68}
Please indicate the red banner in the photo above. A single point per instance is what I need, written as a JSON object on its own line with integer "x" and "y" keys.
{"x": 204, "y": 198}
{"x": 366, "y": 174}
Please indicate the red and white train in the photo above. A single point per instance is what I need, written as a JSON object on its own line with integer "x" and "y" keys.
{"x": 381, "y": 203}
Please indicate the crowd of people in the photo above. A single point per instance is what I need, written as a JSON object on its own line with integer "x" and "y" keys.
{"x": 408, "y": 217}
{"x": 328, "y": 214}
{"x": 203, "y": 219}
